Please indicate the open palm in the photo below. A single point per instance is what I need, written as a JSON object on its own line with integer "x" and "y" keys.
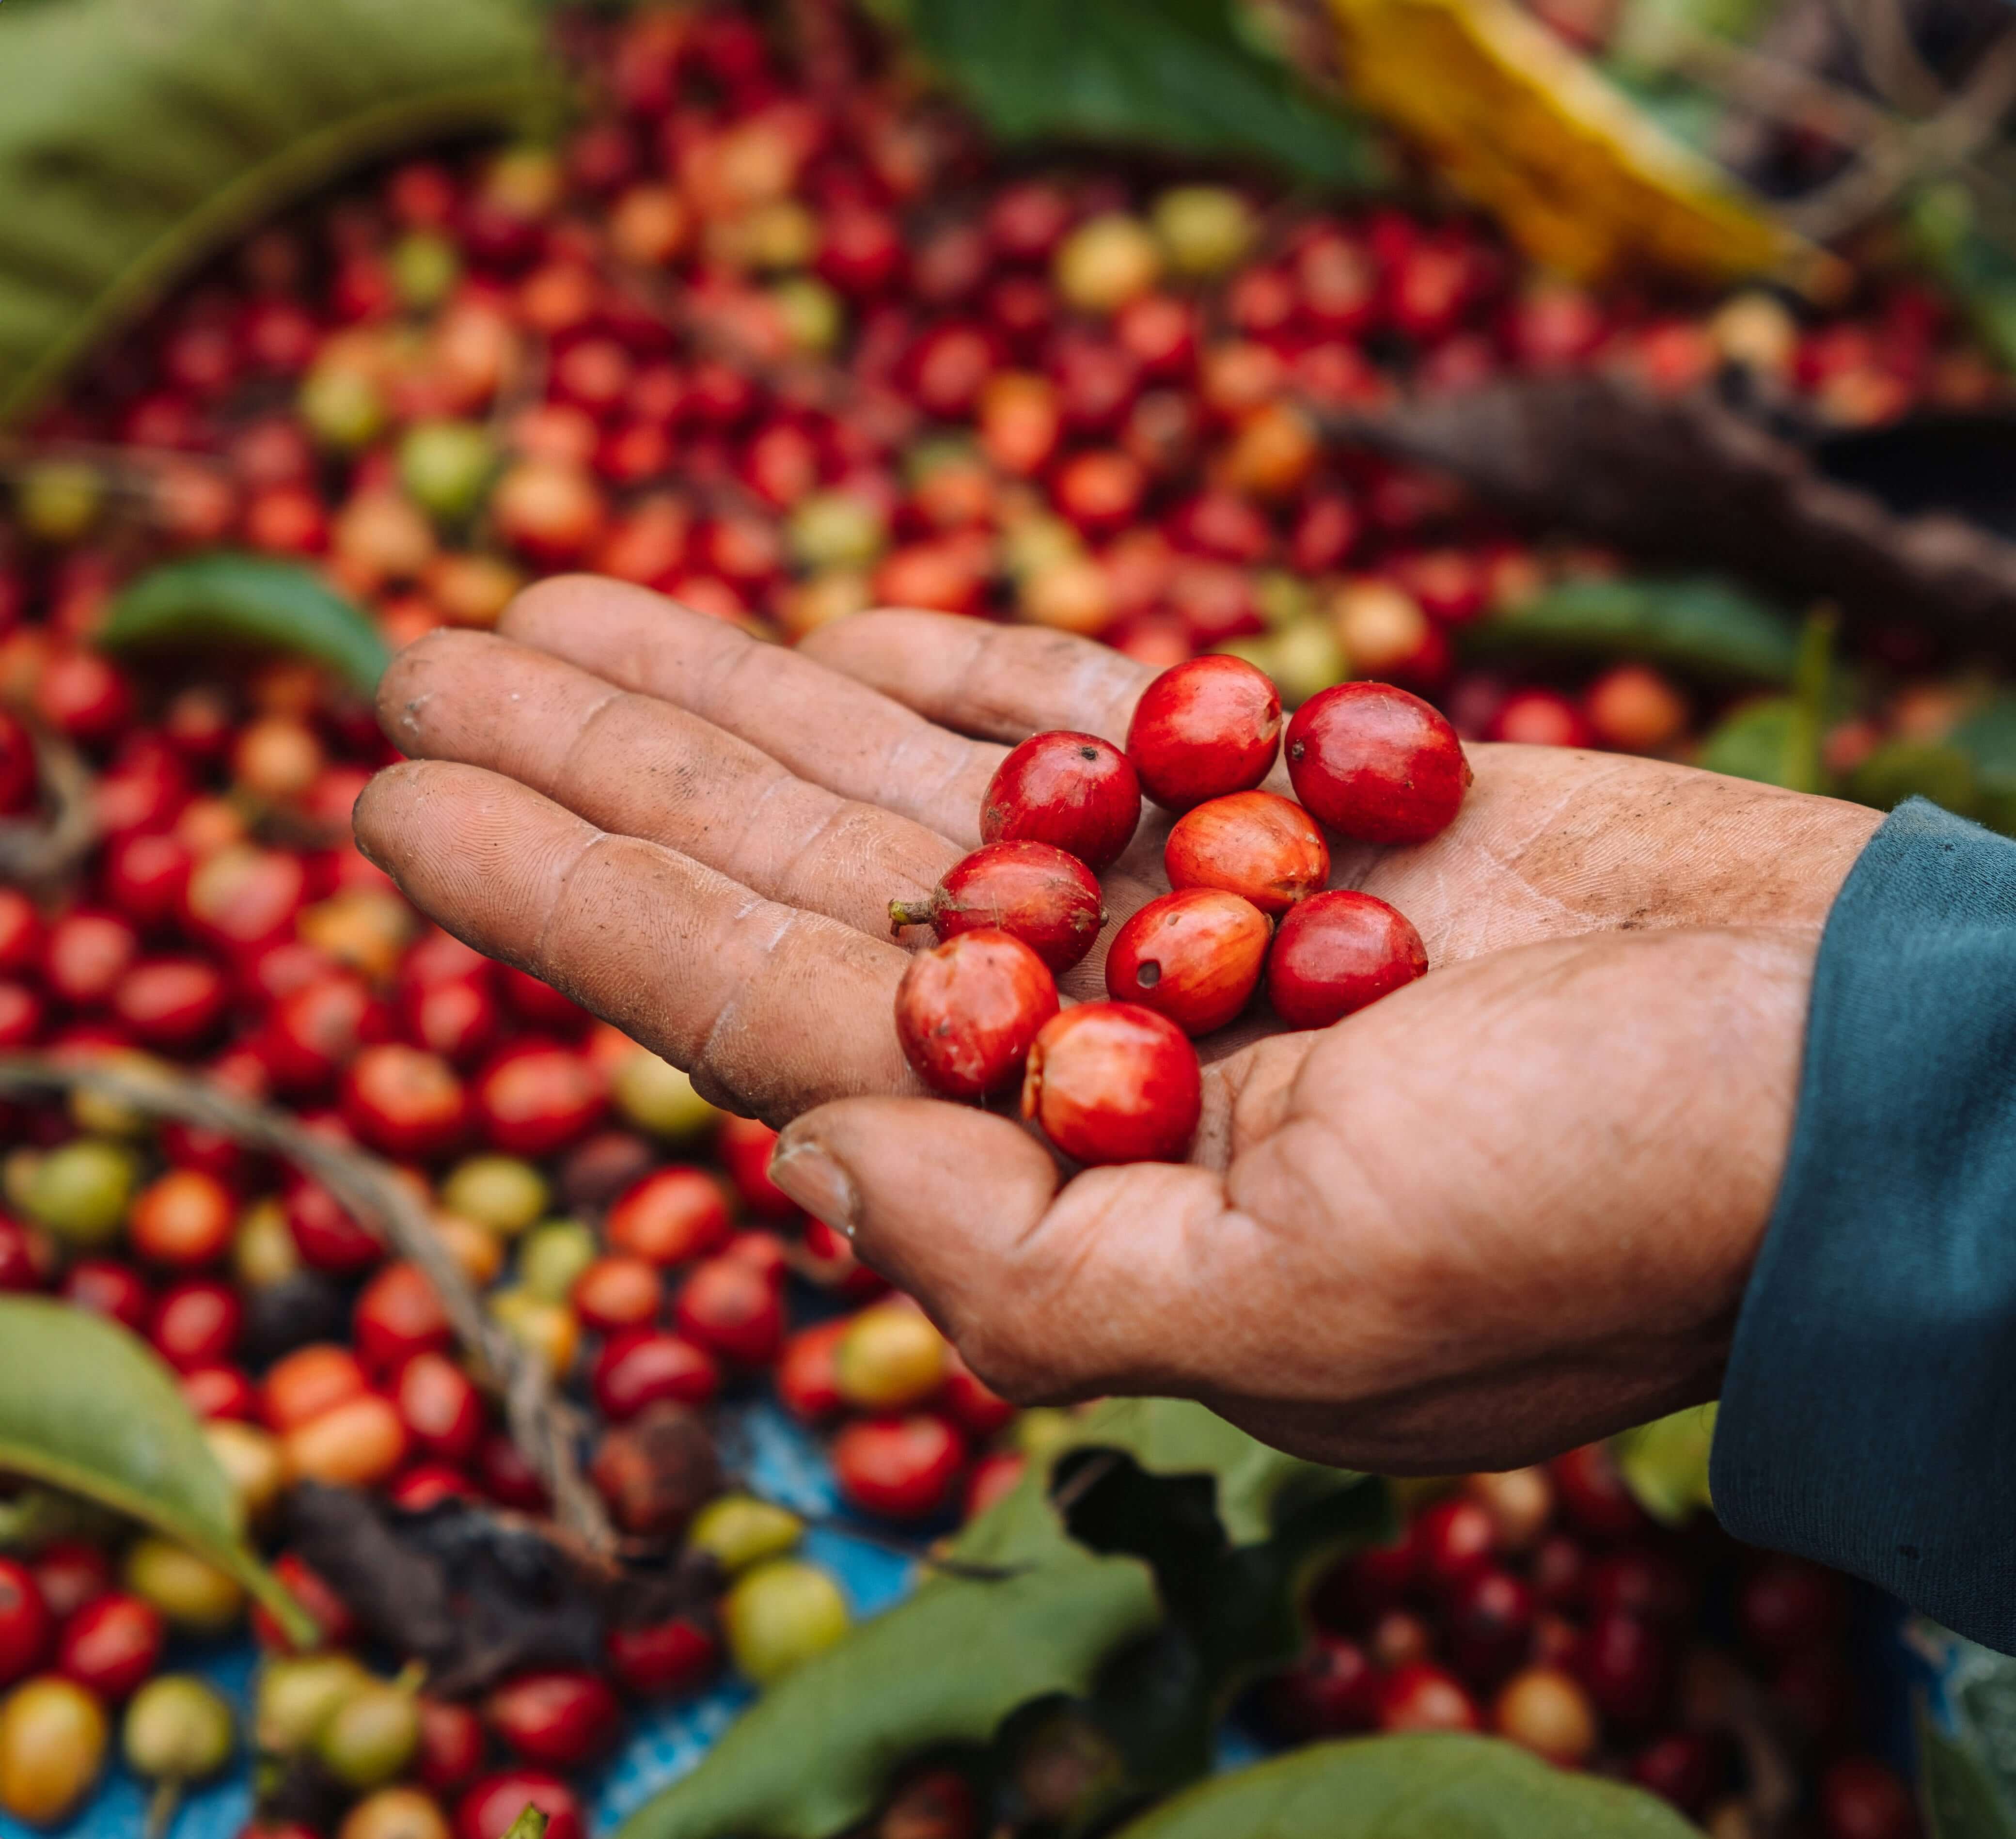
{"x": 1510, "y": 1206}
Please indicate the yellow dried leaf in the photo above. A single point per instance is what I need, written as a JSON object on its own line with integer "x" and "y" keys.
{"x": 1581, "y": 178}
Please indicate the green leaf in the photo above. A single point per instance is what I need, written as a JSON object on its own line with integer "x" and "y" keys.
{"x": 1164, "y": 1490}
{"x": 947, "y": 1666}
{"x": 135, "y": 139}
{"x": 1697, "y": 625}
{"x": 87, "y": 1407}
{"x": 1173, "y": 74}
{"x": 1664, "y": 1463}
{"x": 1754, "y": 742}
{"x": 1777, "y": 740}
{"x": 1971, "y": 248}
{"x": 1901, "y": 769}
{"x": 1958, "y": 1791}
{"x": 1428, "y": 1787}
{"x": 253, "y": 600}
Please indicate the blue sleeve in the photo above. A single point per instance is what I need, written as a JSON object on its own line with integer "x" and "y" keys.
{"x": 1868, "y": 1413}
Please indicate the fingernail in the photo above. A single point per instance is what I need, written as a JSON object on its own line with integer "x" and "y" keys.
{"x": 818, "y": 1183}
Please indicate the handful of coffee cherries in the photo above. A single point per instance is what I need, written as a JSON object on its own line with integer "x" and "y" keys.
{"x": 1119, "y": 1081}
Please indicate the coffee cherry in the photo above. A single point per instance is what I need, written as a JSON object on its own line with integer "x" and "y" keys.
{"x": 1257, "y": 844}
{"x": 304, "y": 1384}
{"x": 451, "y": 1745}
{"x": 1519, "y": 1502}
{"x": 1376, "y": 764}
{"x": 1490, "y": 1623}
{"x": 178, "y": 1729}
{"x": 111, "y": 1645}
{"x": 488, "y": 1809}
{"x": 1626, "y": 1668}
{"x": 737, "y": 1531}
{"x": 807, "y": 1379}
{"x": 560, "y": 1719}
{"x": 353, "y": 1445}
{"x": 903, "y": 1468}
{"x": 1544, "y": 1710}
{"x": 1194, "y": 956}
{"x": 967, "y": 1010}
{"x": 617, "y": 1293}
{"x": 1862, "y": 1799}
{"x": 662, "y": 1660}
{"x": 1592, "y": 1492}
{"x": 1332, "y": 1690}
{"x": 1683, "y": 1767}
{"x": 744, "y": 1145}
{"x": 440, "y": 1406}
{"x": 538, "y": 1097}
{"x": 1107, "y": 261}
{"x": 656, "y": 1097}
{"x": 371, "y": 1735}
{"x": 1786, "y": 1604}
{"x": 638, "y": 1367}
{"x": 52, "y": 1738}
{"x": 196, "y": 1323}
{"x": 780, "y": 1614}
{"x": 889, "y": 1357}
{"x": 940, "y": 1805}
{"x": 1073, "y": 791}
{"x": 79, "y": 1192}
{"x": 732, "y": 1310}
{"x": 1113, "y": 1082}
{"x": 1540, "y": 719}
{"x": 1045, "y": 898}
{"x": 1337, "y": 951}
{"x": 192, "y": 1593}
{"x": 398, "y": 1315}
{"x": 25, "y": 1622}
{"x": 70, "y": 1573}
{"x": 1421, "y": 1696}
{"x": 502, "y": 1193}
{"x": 328, "y": 1237}
{"x": 1204, "y": 730}
{"x": 295, "y": 1697}
{"x": 394, "y": 1813}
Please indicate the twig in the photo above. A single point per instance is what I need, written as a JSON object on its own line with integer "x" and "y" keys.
{"x": 41, "y": 854}
{"x": 1951, "y": 138}
{"x": 1770, "y": 87}
{"x": 544, "y": 1427}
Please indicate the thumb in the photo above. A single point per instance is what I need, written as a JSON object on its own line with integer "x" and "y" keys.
{"x": 1047, "y": 1295}
{"x": 929, "y": 1194}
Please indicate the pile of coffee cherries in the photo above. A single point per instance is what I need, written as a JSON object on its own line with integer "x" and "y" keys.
{"x": 1119, "y": 1080}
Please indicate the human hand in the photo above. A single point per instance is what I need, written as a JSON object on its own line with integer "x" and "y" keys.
{"x": 1509, "y": 1208}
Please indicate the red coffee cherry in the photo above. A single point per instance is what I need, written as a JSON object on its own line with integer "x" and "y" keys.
{"x": 671, "y": 1216}
{"x": 733, "y": 1310}
{"x": 1045, "y": 898}
{"x": 966, "y": 1011}
{"x": 1421, "y": 1696}
{"x": 111, "y": 1646}
{"x": 1203, "y": 729}
{"x": 1195, "y": 955}
{"x": 487, "y": 1811}
{"x": 1335, "y": 953}
{"x": 1111, "y": 1082}
{"x": 562, "y": 1718}
{"x": 641, "y": 1365}
{"x": 807, "y": 1375}
{"x": 662, "y": 1660}
{"x": 1256, "y": 844}
{"x": 1376, "y": 764}
{"x": 452, "y": 1744}
{"x": 440, "y": 1406}
{"x": 25, "y": 1622}
{"x": 903, "y": 1468}
{"x": 1073, "y": 791}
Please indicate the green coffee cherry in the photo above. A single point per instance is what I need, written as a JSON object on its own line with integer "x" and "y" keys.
{"x": 1204, "y": 230}
{"x": 370, "y": 1736}
{"x": 655, "y": 1095}
{"x": 178, "y": 1729}
{"x": 552, "y": 1256}
{"x": 445, "y": 467}
{"x": 425, "y": 269}
{"x": 298, "y": 1694}
{"x": 60, "y": 500}
{"x": 499, "y": 1192}
{"x": 737, "y": 1531}
{"x": 814, "y": 315}
{"x": 779, "y": 1615}
{"x": 80, "y": 1191}
{"x": 838, "y": 529}
{"x": 190, "y": 1592}
{"x": 342, "y": 406}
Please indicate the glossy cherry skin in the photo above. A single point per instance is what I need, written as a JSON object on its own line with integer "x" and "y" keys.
{"x": 1256, "y": 844}
{"x": 968, "y": 1010}
{"x": 487, "y": 1811}
{"x": 1195, "y": 955}
{"x": 562, "y": 1718}
{"x": 1112, "y": 1082}
{"x": 662, "y": 1660}
{"x": 641, "y": 1365}
{"x": 1045, "y": 898}
{"x": 26, "y": 1624}
{"x": 672, "y": 1215}
{"x": 1421, "y": 1696}
{"x": 903, "y": 1468}
{"x": 1073, "y": 791}
{"x": 1203, "y": 729}
{"x": 1335, "y": 953}
{"x": 112, "y": 1645}
{"x": 1376, "y": 764}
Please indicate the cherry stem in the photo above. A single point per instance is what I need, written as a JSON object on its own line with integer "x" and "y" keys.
{"x": 902, "y": 913}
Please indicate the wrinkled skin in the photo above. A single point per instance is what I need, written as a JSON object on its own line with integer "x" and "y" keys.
{"x": 1509, "y": 1208}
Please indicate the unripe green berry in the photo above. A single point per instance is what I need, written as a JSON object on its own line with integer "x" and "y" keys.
{"x": 178, "y": 1729}
{"x": 779, "y": 1615}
